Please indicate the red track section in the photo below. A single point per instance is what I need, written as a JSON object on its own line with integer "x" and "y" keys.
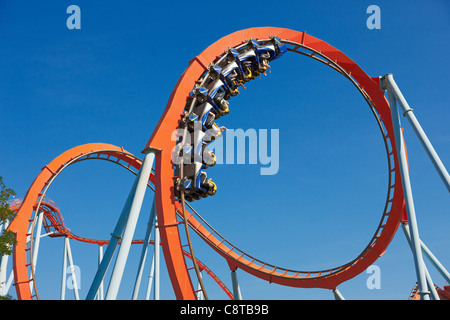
{"x": 167, "y": 204}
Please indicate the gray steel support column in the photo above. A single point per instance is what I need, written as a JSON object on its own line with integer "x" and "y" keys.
{"x": 64, "y": 272}
{"x": 236, "y": 290}
{"x": 386, "y": 83}
{"x": 150, "y": 279}
{"x": 72, "y": 270}
{"x": 337, "y": 295}
{"x": 100, "y": 293}
{"x": 148, "y": 234}
{"x": 430, "y": 282}
{"x": 116, "y": 236}
{"x": 130, "y": 227}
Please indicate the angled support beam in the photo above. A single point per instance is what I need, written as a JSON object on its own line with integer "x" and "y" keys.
{"x": 388, "y": 84}
{"x": 392, "y": 88}
{"x": 127, "y": 220}
{"x": 148, "y": 233}
{"x": 430, "y": 283}
{"x": 133, "y": 215}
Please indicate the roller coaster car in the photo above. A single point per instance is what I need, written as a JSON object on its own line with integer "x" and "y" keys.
{"x": 201, "y": 153}
{"x": 207, "y": 157}
{"x": 262, "y": 55}
{"x": 214, "y": 132}
{"x": 193, "y": 182}
{"x": 255, "y": 59}
{"x": 198, "y": 186}
{"x": 217, "y": 96}
{"x": 232, "y": 73}
{"x": 211, "y": 104}
{"x": 280, "y": 48}
{"x": 195, "y": 148}
{"x": 250, "y": 64}
{"x": 228, "y": 76}
{"x": 235, "y": 65}
{"x": 272, "y": 50}
{"x": 203, "y": 113}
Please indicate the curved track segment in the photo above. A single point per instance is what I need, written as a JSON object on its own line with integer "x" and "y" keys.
{"x": 167, "y": 204}
{"x": 38, "y": 188}
{"x": 54, "y": 221}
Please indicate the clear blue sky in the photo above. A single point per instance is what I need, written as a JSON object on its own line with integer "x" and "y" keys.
{"x": 110, "y": 81}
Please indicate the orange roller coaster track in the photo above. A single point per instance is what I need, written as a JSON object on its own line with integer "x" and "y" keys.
{"x": 369, "y": 87}
{"x": 168, "y": 207}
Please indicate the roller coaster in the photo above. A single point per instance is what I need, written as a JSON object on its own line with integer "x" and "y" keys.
{"x": 176, "y": 171}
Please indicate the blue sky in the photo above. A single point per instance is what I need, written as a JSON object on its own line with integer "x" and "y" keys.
{"x": 110, "y": 81}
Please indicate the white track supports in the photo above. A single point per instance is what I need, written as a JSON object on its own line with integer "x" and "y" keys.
{"x": 236, "y": 290}
{"x": 124, "y": 232}
{"x": 64, "y": 273}
{"x": 430, "y": 283}
{"x": 128, "y": 234}
{"x": 148, "y": 233}
{"x": 337, "y": 295}
{"x": 389, "y": 84}
{"x": 150, "y": 279}
{"x": 395, "y": 97}
{"x": 100, "y": 293}
{"x": 430, "y": 256}
{"x": 157, "y": 262}
{"x": 68, "y": 255}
